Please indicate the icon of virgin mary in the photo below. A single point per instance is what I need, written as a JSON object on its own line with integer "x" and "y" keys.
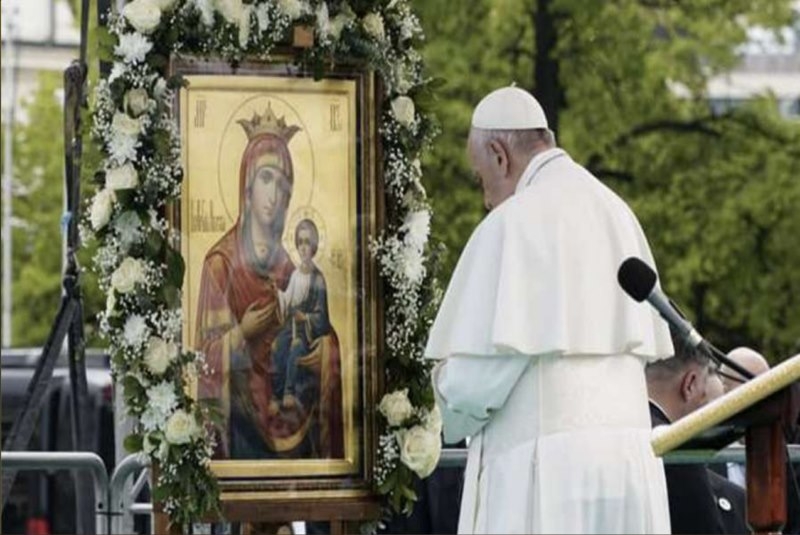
{"x": 239, "y": 318}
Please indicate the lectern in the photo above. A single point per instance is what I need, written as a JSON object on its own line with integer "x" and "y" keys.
{"x": 764, "y": 410}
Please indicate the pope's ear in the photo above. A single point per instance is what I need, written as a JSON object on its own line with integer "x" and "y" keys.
{"x": 499, "y": 155}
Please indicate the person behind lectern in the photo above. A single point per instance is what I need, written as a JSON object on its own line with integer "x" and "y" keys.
{"x": 540, "y": 354}
{"x": 700, "y": 501}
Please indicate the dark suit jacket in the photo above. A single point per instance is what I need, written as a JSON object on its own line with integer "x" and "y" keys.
{"x": 694, "y": 506}
{"x": 732, "y": 503}
{"x": 792, "y": 526}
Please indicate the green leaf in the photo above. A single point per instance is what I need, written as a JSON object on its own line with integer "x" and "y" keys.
{"x": 132, "y": 388}
{"x": 158, "y": 61}
{"x": 389, "y": 483}
{"x": 153, "y": 244}
{"x": 161, "y": 493}
{"x": 171, "y": 296}
{"x": 177, "y": 81}
{"x": 161, "y": 141}
{"x": 408, "y": 507}
{"x": 176, "y": 267}
{"x": 105, "y": 44}
{"x": 409, "y": 493}
{"x": 126, "y": 197}
{"x": 133, "y": 443}
{"x": 396, "y": 500}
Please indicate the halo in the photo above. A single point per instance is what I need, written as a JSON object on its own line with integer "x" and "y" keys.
{"x": 253, "y": 105}
{"x": 304, "y": 212}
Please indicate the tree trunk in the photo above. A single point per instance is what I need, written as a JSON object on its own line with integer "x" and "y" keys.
{"x": 547, "y": 87}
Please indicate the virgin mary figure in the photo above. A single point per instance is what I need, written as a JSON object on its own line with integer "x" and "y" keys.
{"x": 239, "y": 317}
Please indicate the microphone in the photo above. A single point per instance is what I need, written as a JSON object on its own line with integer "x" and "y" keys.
{"x": 639, "y": 281}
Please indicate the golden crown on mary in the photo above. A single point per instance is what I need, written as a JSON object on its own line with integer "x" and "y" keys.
{"x": 268, "y": 123}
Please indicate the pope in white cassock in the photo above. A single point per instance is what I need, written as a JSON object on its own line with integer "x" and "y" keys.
{"x": 541, "y": 354}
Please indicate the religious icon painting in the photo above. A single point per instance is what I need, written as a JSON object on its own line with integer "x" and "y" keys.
{"x": 277, "y": 209}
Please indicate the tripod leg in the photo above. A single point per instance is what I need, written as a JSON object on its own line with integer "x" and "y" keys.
{"x": 25, "y": 424}
{"x": 83, "y": 424}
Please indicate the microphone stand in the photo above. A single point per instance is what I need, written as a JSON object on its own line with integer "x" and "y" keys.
{"x": 718, "y": 356}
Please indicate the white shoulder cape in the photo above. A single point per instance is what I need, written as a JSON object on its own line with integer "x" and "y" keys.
{"x": 539, "y": 274}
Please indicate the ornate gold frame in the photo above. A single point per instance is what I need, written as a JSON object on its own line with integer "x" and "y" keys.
{"x": 328, "y": 479}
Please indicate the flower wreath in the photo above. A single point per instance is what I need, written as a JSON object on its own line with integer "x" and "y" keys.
{"x": 141, "y": 271}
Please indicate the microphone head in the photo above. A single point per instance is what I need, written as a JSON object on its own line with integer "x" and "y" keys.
{"x": 636, "y": 278}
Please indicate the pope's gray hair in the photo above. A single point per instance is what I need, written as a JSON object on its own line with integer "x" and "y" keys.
{"x": 519, "y": 142}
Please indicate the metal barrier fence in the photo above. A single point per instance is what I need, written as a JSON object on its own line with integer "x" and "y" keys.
{"x": 115, "y": 508}
{"x": 123, "y": 501}
{"x": 64, "y": 460}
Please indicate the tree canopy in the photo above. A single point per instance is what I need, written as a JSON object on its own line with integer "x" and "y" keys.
{"x": 624, "y": 84}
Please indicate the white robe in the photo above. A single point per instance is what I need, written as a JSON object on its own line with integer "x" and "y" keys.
{"x": 543, "y": 358}
{"x": 296, "y": 291}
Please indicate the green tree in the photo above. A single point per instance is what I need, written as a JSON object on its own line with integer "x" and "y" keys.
{"x": 38, "y": 206}
{"x": 624, "y": 84}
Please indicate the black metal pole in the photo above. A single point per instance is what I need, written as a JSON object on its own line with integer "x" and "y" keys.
{"x": 74, "y": 101}
{"x": 21, "y": 431}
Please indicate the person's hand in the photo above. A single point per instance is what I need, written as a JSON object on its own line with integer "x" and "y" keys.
{"x": 255, "y": 320}
{"x": 299, "y": 316}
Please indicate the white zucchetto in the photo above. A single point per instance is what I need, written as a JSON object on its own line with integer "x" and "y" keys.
{"x": 509, "y": 108}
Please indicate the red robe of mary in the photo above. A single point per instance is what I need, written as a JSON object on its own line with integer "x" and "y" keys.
{"x": 240, "y": 370}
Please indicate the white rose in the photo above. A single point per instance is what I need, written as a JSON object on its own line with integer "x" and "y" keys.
{"x": 144, "y": 15}
{"x": 403, "y": 110}
{"x": 373, "y": 25}
{"x": 396, "y": 407}
{"x": 136, "y": 101}
{"x": 129, "y": 273}
{"x": 124, "y": 177}
{"x": 231, "y": 10}
{"x": 124, "y": 125}
{"x": 181, "y": 428}
{"x": 159, "y": 354}
{"x": 102, "y": 206}
{"x": 433, "y": 420}
{"x": 293, "y": 9}
{"x": 420, "y": 449}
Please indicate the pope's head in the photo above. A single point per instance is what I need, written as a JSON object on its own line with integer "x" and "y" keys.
{"x": 508, "y": 128}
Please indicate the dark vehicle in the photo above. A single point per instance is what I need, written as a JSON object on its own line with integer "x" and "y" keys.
{"x": 44, "y": 502}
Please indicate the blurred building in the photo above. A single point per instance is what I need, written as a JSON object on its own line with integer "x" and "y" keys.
{"x": 770, "y": 63}
{"x": 37, "y": 36}
{"x": 43, "y": 36}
